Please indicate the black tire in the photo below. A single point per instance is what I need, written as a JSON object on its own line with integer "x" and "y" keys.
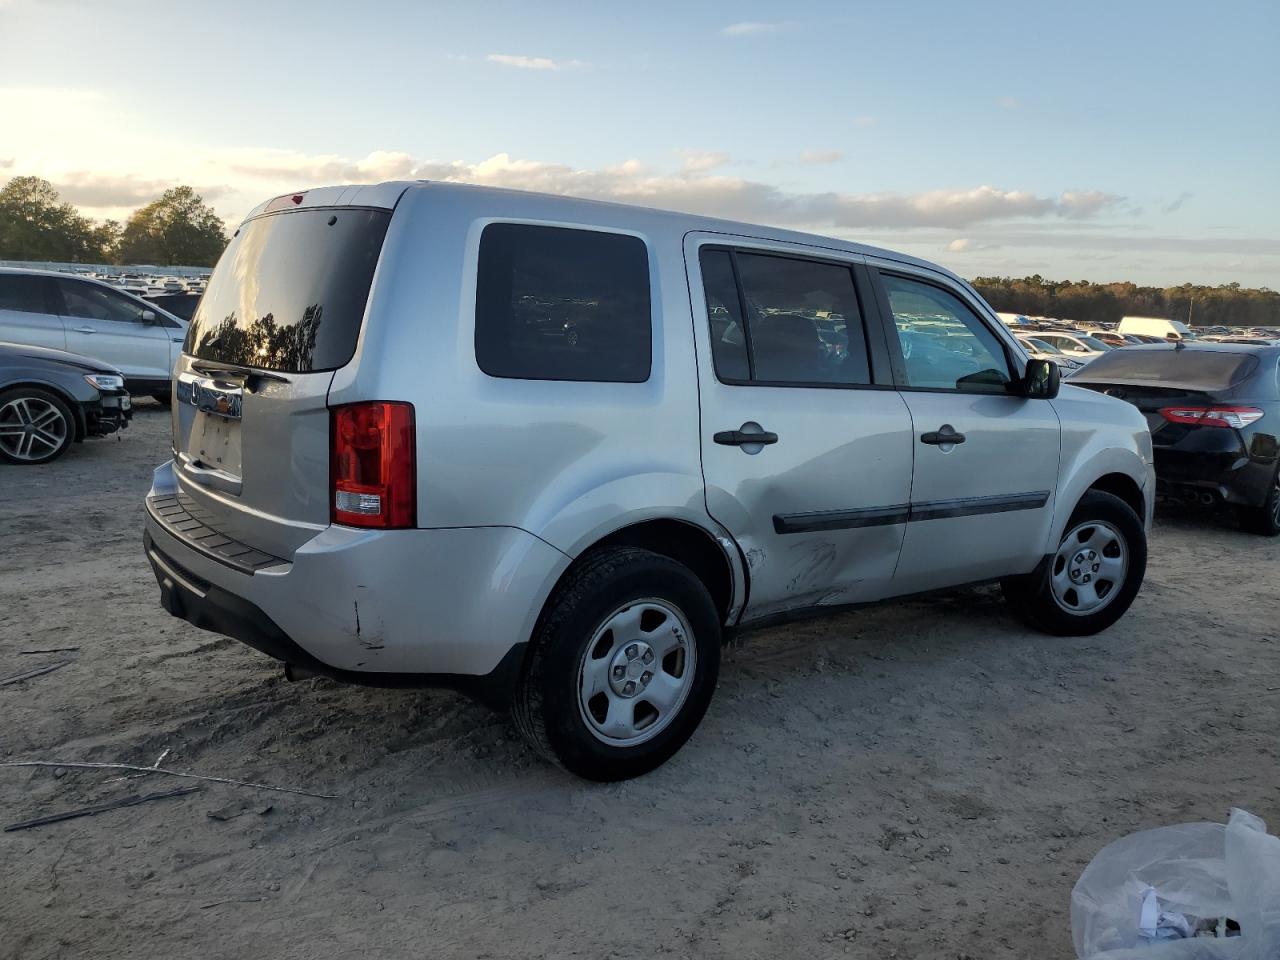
{"x": 1032, "y": 596}
{"x": 546, "y": 708}
{"x": 48, "y": 401}
{"x": 1265, "y": 519}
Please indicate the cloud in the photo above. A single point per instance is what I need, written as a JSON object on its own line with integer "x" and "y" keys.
{"x": 965, "y": 245}
{"x": 749, "y": 28}
{"x": 821, "y": 156}
{"x": 700, "y": 161}
{"x": 5, "y": 162}
{"x": 693, "y": 189}
{"x": 866, "y": 120}
{"x": 105, "y": 190}
{"x": 1177, "y": 203}
{"x": 532, "y": 63}
{"x": 1009, "y": 103}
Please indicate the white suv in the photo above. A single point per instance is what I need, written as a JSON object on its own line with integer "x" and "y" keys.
{"x": 551, "y": 451}
{"x": 42, "y": 308}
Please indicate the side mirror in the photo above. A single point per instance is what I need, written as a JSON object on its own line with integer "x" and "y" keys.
{"x": 1042, "y": 380}
{"x": 147, "y": 316}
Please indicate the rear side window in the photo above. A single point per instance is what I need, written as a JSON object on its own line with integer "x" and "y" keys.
{"x": 25, "y": 294}
{"x": 554, "y": 303}
{"x": 89, "y": 301}
{"x": 802, "y": 324}
{"x": 290, "y": 291}
{"x": 1191, "y": 368}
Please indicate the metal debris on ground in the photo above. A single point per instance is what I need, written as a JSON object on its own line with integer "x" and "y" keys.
{"x": 130, "y": 801}
{"x": 19, "y": 677}
{"x": 87, "y": 765}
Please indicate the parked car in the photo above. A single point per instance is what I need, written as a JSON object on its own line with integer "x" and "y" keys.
{"x": 1156, "y": 327}
{"x": 1214, "y": 412}
{"x": 402, "y": 478}
{"x": 50, "y": 399}
{"x": 1043, "y": 350}
{"x": 92, "y": 319}
{"x": 1079, "y": 346}
{"x": 1111, "y": 338}
{"x": 181, "y": 305}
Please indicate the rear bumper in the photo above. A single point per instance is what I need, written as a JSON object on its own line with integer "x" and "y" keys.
{"x": 451, "y": 608}
{"x": 1218, "y": 466}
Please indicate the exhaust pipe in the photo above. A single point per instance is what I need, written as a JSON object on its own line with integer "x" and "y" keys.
{"x": 1208, "y": 499}
{"x": 293, "y": 673}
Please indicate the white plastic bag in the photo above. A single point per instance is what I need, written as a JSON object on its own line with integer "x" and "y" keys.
{"x": 1200, "y": 870}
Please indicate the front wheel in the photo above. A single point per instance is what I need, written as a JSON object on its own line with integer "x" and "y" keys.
{"x": 36, "y": 426}
{"x": 1089, "y": 582}
{"x": 621, "y": 667}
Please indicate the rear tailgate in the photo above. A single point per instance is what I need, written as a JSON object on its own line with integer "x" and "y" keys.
{"x": 283, "y": 311}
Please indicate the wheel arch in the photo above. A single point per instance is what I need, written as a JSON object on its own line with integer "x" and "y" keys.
{"x": 1125, "y": 487}
{"x": 712, "y": 555}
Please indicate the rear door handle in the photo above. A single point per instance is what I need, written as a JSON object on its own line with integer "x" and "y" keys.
{"x": 85, "y": 330}
{"x": 745, "y": 435}
{"x": 946, "y": 434}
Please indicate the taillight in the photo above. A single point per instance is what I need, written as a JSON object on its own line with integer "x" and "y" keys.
{"x": 371, "y": 461}
{"x": 1233, "y": 417}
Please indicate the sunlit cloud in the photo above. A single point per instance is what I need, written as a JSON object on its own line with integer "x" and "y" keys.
{"x": 749, "y": 28}
{"x": 821, "y": 156}
{"x": 700, "y": 161}
{"x": 532, "y": 63}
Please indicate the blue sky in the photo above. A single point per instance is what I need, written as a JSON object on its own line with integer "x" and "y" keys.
{"x": 1102, "y": 141}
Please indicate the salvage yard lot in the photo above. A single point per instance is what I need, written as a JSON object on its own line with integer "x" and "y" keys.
{"x": 919, "y": 779}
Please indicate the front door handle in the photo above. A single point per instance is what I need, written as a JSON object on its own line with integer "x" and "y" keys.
{"x": 747, "y": 434}
{"x": 943, "y": 436}
{"x": 85, "y": 330}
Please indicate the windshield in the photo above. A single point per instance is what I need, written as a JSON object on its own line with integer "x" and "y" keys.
{"x": 1093, "y": 343}
{"x": 1043, "y": 346}
{"x": 289, "y": 292}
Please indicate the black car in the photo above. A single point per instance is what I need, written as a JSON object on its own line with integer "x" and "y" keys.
{"x": 181, "y": 305}
{"x": 50, "y": 399}
{"x": 1214, "y": 413}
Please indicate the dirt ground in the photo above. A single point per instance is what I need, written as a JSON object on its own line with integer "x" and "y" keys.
{"x": 919, "y": 779}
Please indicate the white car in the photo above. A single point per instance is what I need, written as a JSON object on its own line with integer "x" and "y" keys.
{"x": 1077, "y": 346}
{"x": 46, "y": 309}
{"x": 1042, "y": 350}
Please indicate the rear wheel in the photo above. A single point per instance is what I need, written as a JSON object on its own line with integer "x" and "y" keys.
{"x": 622, "y": 666}
{"x": 1089, "y": 582}
{"x": 36, "y": 426}
{"x": 1264, "y": 520}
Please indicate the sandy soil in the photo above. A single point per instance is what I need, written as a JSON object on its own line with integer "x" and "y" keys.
{"x": 920, "y": 779}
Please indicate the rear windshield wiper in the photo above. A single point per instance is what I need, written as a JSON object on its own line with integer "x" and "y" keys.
{"x": 212, "y": 367}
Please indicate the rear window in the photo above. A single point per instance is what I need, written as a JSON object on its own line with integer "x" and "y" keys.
{"x": 1188, "y": 368}
{"x": 23, "y": 293}
{"x": 562, "y": 304}
{"x": 289, "y": 292}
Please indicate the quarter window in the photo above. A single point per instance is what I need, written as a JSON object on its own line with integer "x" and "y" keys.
{"x": 802, "y": 322}
{"x": 944, "y": 344}
{"x": 23, "y": 293}
{"x": 562, "y": 304}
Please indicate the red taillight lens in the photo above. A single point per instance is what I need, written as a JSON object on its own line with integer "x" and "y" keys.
{"x": 1231, "y": 417}
{"x": 371, "y": 458}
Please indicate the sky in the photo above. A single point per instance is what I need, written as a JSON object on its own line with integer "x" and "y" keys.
{"x": 1118, "y": 140}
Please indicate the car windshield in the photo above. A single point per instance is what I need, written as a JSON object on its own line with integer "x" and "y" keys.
{"x": 1093, "y": 343}
{"x": 1043, "y": 346}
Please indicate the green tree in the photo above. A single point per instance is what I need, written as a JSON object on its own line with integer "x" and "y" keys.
{"x": 179, "y": 229}
{"x": 35, "y": 224}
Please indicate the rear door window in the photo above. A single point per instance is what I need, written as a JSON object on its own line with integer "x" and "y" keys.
{"x": 23, "y": 293}
{"x": 554, "y": 303}
{"x": 290, "y": 291}
{"x": 802, "y": 324}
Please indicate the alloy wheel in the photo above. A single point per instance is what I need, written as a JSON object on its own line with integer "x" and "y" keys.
{"x": 32, "y": 429}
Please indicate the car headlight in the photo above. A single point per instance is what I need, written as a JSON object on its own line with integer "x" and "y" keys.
{"x": 104, "y": 381}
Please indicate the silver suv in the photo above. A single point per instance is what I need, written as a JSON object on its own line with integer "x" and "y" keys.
{"x": 551, "y": 452}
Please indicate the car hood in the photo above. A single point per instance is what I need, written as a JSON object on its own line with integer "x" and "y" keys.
{"x": 16, "y": 351}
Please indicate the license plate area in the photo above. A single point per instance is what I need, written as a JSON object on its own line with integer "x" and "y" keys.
{"x": 215, "y": 443}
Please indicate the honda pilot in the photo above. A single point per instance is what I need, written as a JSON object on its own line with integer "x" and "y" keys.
{"x": 551, "y": 452}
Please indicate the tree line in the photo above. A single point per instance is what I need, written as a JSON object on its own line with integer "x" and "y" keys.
{"x": 1226, "y": 305}
{"x": 178, "y": 229}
